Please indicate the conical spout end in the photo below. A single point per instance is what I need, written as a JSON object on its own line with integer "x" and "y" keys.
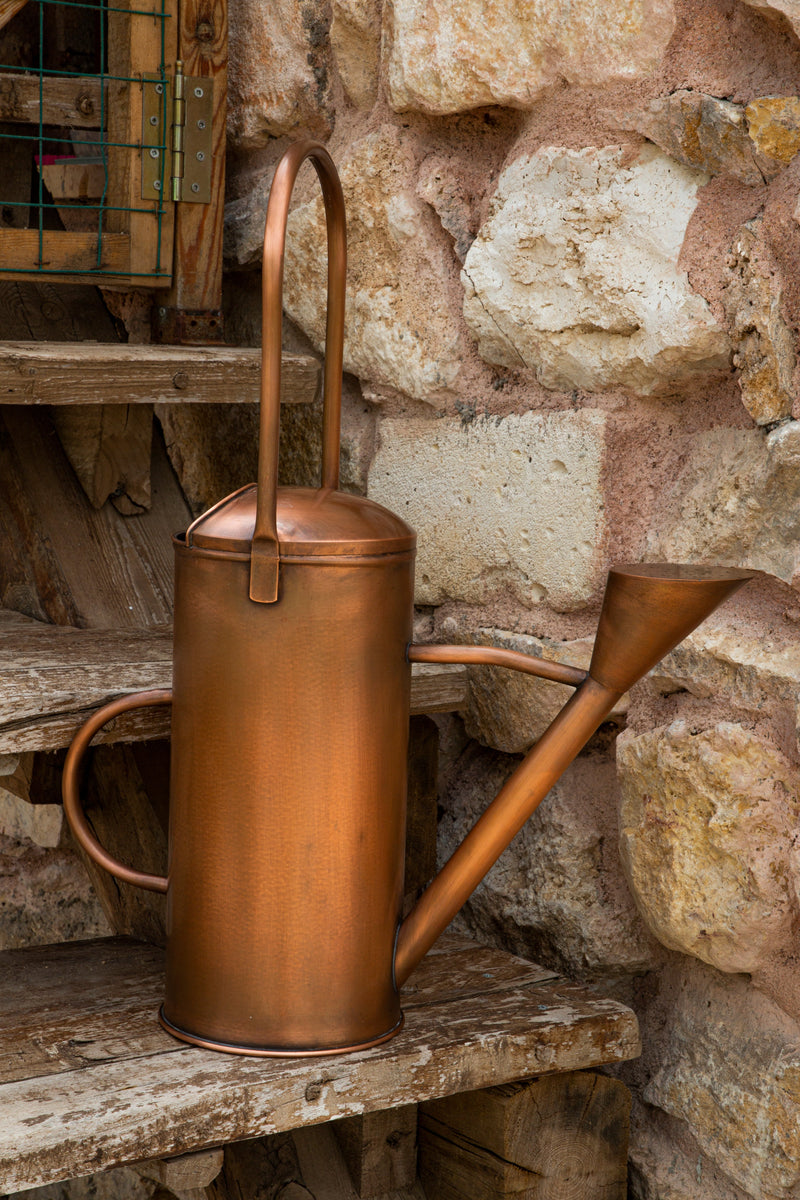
{"x": 649, "y": 608}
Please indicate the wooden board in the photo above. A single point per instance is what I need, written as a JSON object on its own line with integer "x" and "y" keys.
{"x": 100, "y": 373}
{"x": 561, "y": 1137}
{"x": 114, "y": 571}
{"x": 88, "y": 1079}
{"x": 73, "y": 101}
{"x": 197, "y": 276}
{"x": 53, "y": 676}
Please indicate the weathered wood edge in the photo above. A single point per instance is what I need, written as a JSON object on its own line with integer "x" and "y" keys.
{"x": 180, "y": 1099}
{"x": 53, "y": 677}
{"x": 108, "y": 373}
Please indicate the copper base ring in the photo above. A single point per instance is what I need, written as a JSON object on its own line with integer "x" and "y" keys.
{"x": 263, "y": 1052}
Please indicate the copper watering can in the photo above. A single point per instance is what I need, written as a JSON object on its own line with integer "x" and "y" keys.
{"x": 290, "y": 707}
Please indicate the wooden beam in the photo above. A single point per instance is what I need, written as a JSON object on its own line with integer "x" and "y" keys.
{"x": 95, "y": 373}
{"x": 88, "y": 1080}
{"x": 380, "y": 1149}
{"x": 185, "y": 1171}
{"x": 53, "y": 676}
{"x": 68, "y": 100}
{"x": 197, "y": 276}
{"x": 562, "y": 1137}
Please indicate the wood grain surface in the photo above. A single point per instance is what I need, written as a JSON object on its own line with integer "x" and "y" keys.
{"x": 88, "y": 1080}
{"x": 52, "y": 677}
{"x": 100, "y": 373}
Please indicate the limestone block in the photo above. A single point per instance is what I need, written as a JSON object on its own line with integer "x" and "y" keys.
{"x": 453, "y": 205}
{"x": 706, "y": 822}
{"x": 718, "y": 660}
{"x": 39, "y": 823}
{"x": 355, "y": 34}
{"x": 575, "y": 275}
{"x": 399, "y": 328}
{"x": 762, "y": 341}
{"x": 498, "y": 504}
{"x": 510, "y": 711}
{"x": 702, "y": 132}
{"x": 659, "y": 1169}
{"x": 790, "y": 9}
{"x": 557, "y": 894}
{"x": 737, "y": 502}
{"x": 45, "y": 896}
{"x": 774, "y": 123}
{"x": 277, "y": 70}
{"x": 731, "y": 1071}
{"x": 448, "y": 56}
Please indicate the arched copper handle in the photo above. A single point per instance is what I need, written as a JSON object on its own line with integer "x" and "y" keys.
{"x": 265, "y": 553}
{"x": 70, "y": 788}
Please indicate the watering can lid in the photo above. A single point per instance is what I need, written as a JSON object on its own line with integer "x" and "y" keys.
{"x": 311, "y": 521}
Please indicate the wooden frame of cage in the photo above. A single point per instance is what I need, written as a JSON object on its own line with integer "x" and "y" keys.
{"x": 136, "y": 242}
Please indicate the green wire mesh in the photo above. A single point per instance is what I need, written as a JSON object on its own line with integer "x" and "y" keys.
{"x": 80, "y": 145}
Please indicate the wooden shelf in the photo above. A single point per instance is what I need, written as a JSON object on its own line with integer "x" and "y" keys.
{"x": 88, "y": 1080}
{"x": 53, "y": 676}
{"x": 111, "y": 373}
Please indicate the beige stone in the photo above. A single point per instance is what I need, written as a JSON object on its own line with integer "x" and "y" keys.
{"x": 658, "y": 1168}
{"x": 719, "y": 660}
{"x": 790, "y": 9}
{"x": 452, "y": 202}
{"x": 510, "y": 711}
{"x": 731, "y": 1070}
{"x": 355, "y": 37}
{"x": 45, "y": 896}
{"x": 774, "y": 124}
{"x": 706, "y": 821}
{"x": 400, "y": 330}
{"x": 557, "y": 894}
{"x": 702, "y": 132}
{"x": 575, "y": 272}
{"x": 736, "y": 502}
{"x": 39, "y": 823}
{"x": 278, "y": 70}
{"x": 763, "y": 343}
{"x": 448, "y": 56}
{"x": 512, "y": 504}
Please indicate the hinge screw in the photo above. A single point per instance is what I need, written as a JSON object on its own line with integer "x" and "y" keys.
{"x": 201, "y": 124}
{"x": 157, "y": 184}
{"x": 200, "y": 156}
{"x": 154, "y": 154}
{"x": 198, "y": 91}
{"x": 154, "y": 120}
{"x": 195, "y": 187}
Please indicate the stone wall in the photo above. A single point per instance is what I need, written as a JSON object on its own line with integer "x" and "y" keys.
{"x": 573, "y": 306}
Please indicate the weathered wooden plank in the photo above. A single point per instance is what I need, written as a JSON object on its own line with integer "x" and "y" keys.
{"x": 52, "y": 677}
{"x": 197, "y": 278}
{"x": 66, "y": 99}
{"x": 561, "y": 1137}
{"x": 380, "y": 1149}
{"x": 87, "y": 373}
{"x": 122, "y": 1106}
{"x": 184, "y": 1171}
{"x": 117, "y": 571}
{"x": 108, "y": 446}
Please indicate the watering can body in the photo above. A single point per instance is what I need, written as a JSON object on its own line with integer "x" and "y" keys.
{"x": 290, "y": 706}
{"x": 288, "y": 778}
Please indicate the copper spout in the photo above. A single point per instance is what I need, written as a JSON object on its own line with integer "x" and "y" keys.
{"x": 646, "y": 611}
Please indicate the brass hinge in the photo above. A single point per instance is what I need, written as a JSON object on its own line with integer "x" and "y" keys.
{"x": 176, "y": 137}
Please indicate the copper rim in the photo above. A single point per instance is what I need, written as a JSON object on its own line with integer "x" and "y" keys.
{"x": 265, "y": 1052}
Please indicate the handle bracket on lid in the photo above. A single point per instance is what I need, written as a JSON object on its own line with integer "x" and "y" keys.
{"x": 265, "y": 554}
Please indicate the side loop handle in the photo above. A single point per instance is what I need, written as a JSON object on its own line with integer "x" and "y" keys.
{"x": 265, "y": 554}
{"x": 70, "y": 788}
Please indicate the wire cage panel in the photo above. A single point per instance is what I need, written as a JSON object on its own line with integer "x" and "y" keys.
{"x": 72, "y": 80}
